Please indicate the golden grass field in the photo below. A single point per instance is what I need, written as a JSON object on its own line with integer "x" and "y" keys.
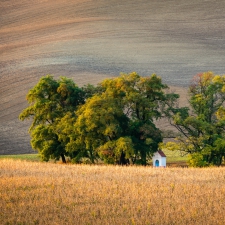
{"x": 92, "y": 40}
{"x": 48, "y": 193}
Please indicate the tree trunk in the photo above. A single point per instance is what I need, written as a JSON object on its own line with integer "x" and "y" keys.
{"x": 220, "y": 160}
{"x": 123, "y": 161}
{"x": 63, "y": 158}
{"x": 92, "y": 157}
{"x": 143, "y": 158}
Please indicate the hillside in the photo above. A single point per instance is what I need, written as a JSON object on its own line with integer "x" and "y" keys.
{"x": 92, "y": 40}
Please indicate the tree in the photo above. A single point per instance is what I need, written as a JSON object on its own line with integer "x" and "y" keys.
{"x": 117, "y": 124}
{"x": 49, "y": 101}
{"x": 98, "y": 130}
{"x": 201, "y": 128}
{"x": 143, "y": 101}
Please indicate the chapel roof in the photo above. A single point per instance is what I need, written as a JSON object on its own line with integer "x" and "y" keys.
{"x": 161, "y": 153}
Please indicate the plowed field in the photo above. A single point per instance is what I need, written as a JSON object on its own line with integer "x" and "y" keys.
{"x": 92, "y": 40}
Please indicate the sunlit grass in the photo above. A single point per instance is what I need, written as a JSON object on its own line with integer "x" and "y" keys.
{"x": 174, "y": 156}
{"x": 47, "y": 193}
{"x": 171, "y": 156}
{"x": 27, "y": 157}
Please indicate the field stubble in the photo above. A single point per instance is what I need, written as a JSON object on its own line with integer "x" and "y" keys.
{"x": 46, "y": 193}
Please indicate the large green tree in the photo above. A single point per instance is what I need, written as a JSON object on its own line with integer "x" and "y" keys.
{"x": 118, "y": 123}
{"x": 98, "y": 130}
{"x": 49, "y": 101}
{"x": 202, "y": 127}
{"x": 140, "y": 99}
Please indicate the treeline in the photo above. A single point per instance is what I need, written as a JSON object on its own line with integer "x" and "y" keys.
{"x": 115, "y": 121}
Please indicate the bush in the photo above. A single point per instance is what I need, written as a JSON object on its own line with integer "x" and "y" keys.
{"x": 197, "y": 160}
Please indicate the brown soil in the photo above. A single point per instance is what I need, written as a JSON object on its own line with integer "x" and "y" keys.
{"x": 91, "y": 40}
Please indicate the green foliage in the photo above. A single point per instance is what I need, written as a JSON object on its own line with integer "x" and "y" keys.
{"x": 117, "y": 122}
{"x": 202, "y": 127}
{"x": 117, "y": 151}
{"x": 49, "y": 100}
{"x": 113, "y": 121}
{"x": 99, "y": 121}
{"x": 197, "y": 160}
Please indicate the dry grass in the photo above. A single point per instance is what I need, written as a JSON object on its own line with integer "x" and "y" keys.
{"x": 45, "y": 193}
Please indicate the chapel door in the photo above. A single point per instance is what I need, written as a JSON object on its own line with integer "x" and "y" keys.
{"x": 157, "y": 163}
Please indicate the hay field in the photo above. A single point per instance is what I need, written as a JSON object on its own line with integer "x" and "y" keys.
{"x": 45, "y": 193}
{"x": 91, "y": 40}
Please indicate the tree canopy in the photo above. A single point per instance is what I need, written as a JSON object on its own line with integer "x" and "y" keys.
{"x": 49, "y": 100}
{"x": 114, "y": 121}
{"x": 117, "y": 123}
{"x": 202, "y": 125}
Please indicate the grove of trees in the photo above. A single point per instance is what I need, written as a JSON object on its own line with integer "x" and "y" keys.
{"x": 115, "y": 121}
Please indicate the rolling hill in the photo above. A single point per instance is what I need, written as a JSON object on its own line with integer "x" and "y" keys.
{"x": 92, "y": 40}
